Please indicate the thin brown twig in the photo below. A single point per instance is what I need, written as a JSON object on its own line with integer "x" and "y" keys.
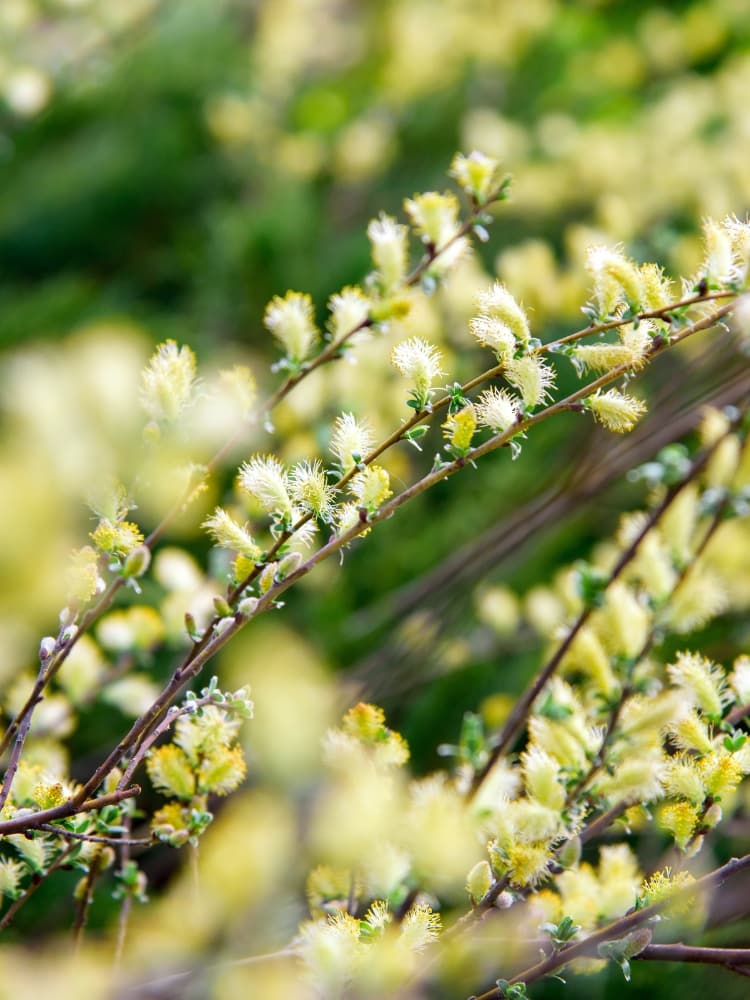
{"x": 92, "y": 838}
{"x": 730, "y": 958}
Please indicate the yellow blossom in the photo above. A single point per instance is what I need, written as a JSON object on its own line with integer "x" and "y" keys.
{"x": 630, "y": 350}
{"x": 701, "y": 596}
{"x": 228, "y": 534}
{"x": 532, "y": 378}
{"x": 434, "y": 216}
{"x": 501, "y": 323}
{"x": 476, "y": 173}
{"x": 459, "y": 428}
{"x": 350, "y": 309}
{"x": 664, "y": 885}
{"x": 656, "y": 288}
{"x": 616, "y": 280}
{"x": 718, "y": 260}
{"x": 371, "y": 487}
{"x": 291, "y": 320}
{"x": 167, "y": 382}
{"x": 11, "y": 873}
{"x": 389, "y": 250}
{"x": 702, "y": 680}
{"x": 310, "y": 489}
{"x": 541, "y": 773}
{"x": 682, "y": 779}
{"x": 615, "y": 411}
{"x": 528, "y": 864}
{"x": 351, "y": 441}
{"x": 721, "y": 773}
{"x": 221, "y": 770}
{"x": 680, "y": 819}
{"x": 420, "y": 927}
{"x": 169, "y": 770}
{"x": 690, "y": 733}
{"x": 418, "y": 360}
{"x": 266, "y": 480}
{"x": 497, "y": 409}
{"x": 82, "y": 578}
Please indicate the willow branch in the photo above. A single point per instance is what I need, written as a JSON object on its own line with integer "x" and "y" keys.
{"x": 195, "y": 661}
{"x": 518, "y": 715}
{"x": 619, "y": 928}
{"x": 167, "y": 722}
{"x": 33, "y": 820}
{"x": 614, "y": 716}
{"x": 420, "y": 416}
{"x": 730, "y": 958}
{"x": 330, "y": 352}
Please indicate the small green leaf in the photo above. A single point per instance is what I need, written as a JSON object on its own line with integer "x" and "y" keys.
{"x": 552, "y": 709}
{"x": 734, "y": 743}
{"x": 625, "y": 948}
{"x": 592, "y": 584}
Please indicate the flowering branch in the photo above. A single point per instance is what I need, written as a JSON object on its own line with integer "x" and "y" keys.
{"x": 515, "y": 721}
{"x": 20, "y": 723}
{"x": 195, "y": 661}
{"x": 33, "y": 820}
{"x": 618, "y": 928}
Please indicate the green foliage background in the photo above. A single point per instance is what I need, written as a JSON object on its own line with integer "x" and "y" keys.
{"x": 193, "y": 159}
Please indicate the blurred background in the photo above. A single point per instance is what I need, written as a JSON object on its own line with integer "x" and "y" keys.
{"x": 166, "y": 168}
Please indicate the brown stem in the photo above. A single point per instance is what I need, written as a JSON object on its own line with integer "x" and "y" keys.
{"x": 94, "y": 838}
{"x": 729, "y": 957}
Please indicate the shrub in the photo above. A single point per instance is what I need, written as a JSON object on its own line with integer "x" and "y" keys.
{"x": 540, "y": 831}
